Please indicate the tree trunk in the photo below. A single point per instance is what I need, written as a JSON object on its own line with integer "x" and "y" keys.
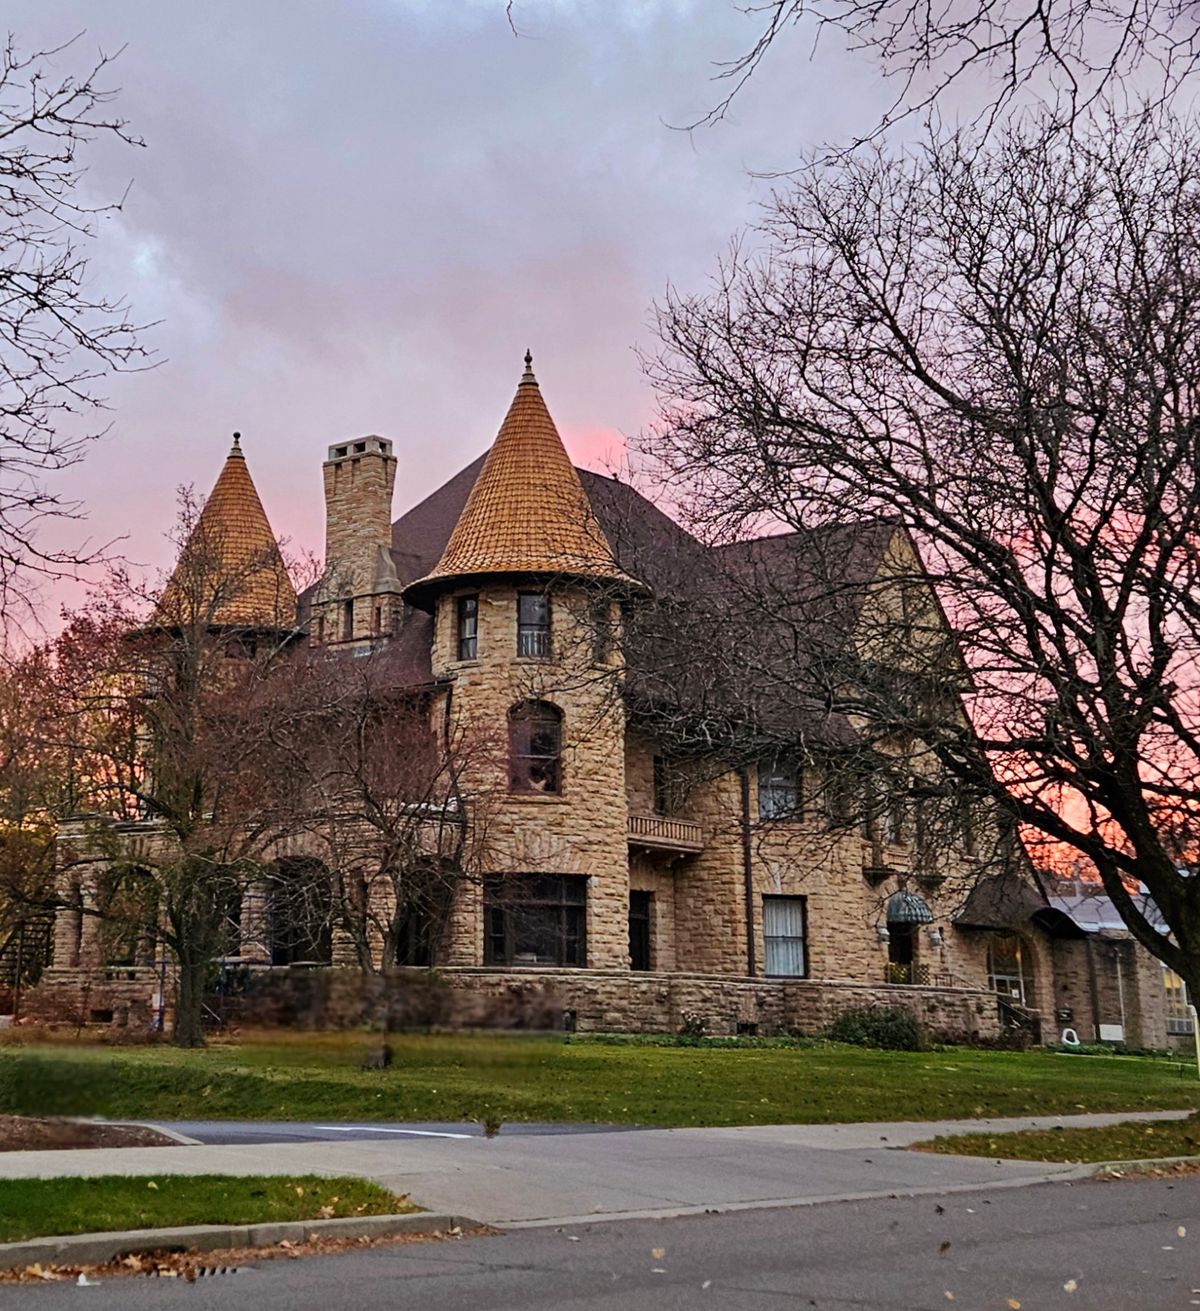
{"x": 188, "y": 1029}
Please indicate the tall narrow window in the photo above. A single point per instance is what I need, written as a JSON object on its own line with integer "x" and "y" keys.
{"x": 966, "y": 819}
{"x": 535, "y": 747}
{"x": 639, "y": 929}
{"x": 778, "y": 791}
{"x": 468, "y": 627}
{"x": 1179, "y": 1017}
{"x": 347, "y": 620}
{"x": 896, "y": 816}
{"x": 533, "y": 625}
{"x": 377, "y": 621}
{"x": 664, "y": 791}
{"x": 320, "y": 630}
{"x": 784, "y": 952}
{"x": 602, "y": 630}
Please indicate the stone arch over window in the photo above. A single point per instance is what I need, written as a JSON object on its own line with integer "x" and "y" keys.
{"x": 1010, "y": 967}
{"x": 535, "y": 748}
{"x": 299, "y": 912}
{"x": 127, "y": 899}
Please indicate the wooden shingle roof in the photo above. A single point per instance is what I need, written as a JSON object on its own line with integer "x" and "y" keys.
{"x": 527, "y": 512}
{"x": 230, "y": 572}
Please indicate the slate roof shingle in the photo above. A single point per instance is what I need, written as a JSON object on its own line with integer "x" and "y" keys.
{"x": 230, "y": 572}
{"x": 526, "y": 513}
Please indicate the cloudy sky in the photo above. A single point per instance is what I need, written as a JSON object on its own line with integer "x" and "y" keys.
{"x": 353, "y": 217}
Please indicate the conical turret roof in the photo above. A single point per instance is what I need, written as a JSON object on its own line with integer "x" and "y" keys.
{"x": 527, "y": 512}
{"x": 230, "y": 572}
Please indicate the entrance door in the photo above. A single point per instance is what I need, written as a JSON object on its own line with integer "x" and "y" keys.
{"x": 901, "y": 943}
{"x": 639, "y": 930}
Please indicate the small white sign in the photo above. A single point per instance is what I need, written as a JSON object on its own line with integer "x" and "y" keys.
{"x": 1112, "y": 1033}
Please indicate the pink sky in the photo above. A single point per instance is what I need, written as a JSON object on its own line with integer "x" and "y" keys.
{"x": 354, "y": 218}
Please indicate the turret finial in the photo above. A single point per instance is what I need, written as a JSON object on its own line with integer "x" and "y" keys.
{"x": 527, "y": 376}
{"x": 237, "y": 444}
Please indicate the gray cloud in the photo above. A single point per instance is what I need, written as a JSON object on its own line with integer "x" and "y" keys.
{"x": 354, "y": 217}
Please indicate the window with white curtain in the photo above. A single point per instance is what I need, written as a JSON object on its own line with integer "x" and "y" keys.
{"x": 785, "y": 950}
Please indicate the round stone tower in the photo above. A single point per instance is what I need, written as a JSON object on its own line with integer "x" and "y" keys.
{"x": 526, "y": 600}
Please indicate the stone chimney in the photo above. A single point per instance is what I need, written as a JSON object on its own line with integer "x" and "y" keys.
{"x": 359, "y": 593}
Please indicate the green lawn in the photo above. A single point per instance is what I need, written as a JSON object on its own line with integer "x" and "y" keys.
{"x": 1118, "y": 1142}
{"x": 524, "y": 1078}
{"x": 34, "y": 1208}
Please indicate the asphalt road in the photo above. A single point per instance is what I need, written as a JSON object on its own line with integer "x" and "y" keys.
{"x": 1100, "y": 1246}
{"x": 229, "y": 1132}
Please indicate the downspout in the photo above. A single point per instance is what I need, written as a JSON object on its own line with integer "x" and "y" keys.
{"x": 1095, "y": 991}
{"x": 748, "y": 875}
{"x": 1120, "y": 991}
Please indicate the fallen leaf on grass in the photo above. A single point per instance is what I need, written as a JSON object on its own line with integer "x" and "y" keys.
{"x": 299, "y": 1191}
{"x": 153, "y": 1185}
{"x": 325, "y": 1213}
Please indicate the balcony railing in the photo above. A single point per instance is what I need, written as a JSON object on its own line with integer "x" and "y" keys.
{"x": 665, "y": 834}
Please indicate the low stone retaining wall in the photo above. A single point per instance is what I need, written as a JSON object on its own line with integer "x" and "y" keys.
{"x": 615, "y": 1001}
{"x": 620, "y": 1002}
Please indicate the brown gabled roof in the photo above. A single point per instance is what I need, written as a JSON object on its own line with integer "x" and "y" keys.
{"x": 230, "y": 572}
{"x": 527, "y": 512}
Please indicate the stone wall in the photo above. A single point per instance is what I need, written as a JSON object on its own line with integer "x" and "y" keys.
{"x": 587, "y": 1000}
{"x": 600, "y": 1001}
{"x": 1108, "y": 979}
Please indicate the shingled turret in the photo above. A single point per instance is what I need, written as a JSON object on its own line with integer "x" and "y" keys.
{"x": 527, "y": 513}
{"x": 230, "y": 573}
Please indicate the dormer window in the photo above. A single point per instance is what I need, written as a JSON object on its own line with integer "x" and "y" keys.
{"x": 533, "y": 625}
{"x": 467, "y": 611}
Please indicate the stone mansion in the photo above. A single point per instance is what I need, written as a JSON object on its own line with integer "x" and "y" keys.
{"x": 633, "y": 900}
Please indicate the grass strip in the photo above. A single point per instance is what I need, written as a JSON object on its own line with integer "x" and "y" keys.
{"x": 1131, "y": 1141}
{"x": 38, "y": 1208}
{"x": 502, "y": 1079}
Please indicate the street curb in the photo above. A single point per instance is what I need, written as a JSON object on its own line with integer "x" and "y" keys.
{"x": 96, "y": 1249}
{"x": 179, "y": 1139}
{"x": 1099, "y": 1169}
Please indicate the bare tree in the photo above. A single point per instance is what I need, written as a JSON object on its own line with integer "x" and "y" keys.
{"x": 57, "y": 336}
{"x": 170, "y": 715}
{"x": 395, "y": 799}
{"x": 1068, "y": 55}
{"x": 993, "y": 345}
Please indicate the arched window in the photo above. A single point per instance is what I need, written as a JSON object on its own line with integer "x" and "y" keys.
{"x": 127, "y": 898}
{"x": 535, "y": 747}
{"x": 1010, "y": 968}
{"x": 300, "y": 913}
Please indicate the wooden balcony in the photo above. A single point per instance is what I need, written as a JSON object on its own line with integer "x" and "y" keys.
{"x": 661, "y": 833}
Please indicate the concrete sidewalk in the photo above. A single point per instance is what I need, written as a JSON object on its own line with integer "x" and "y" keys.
{"x": 576, "y": 1177}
